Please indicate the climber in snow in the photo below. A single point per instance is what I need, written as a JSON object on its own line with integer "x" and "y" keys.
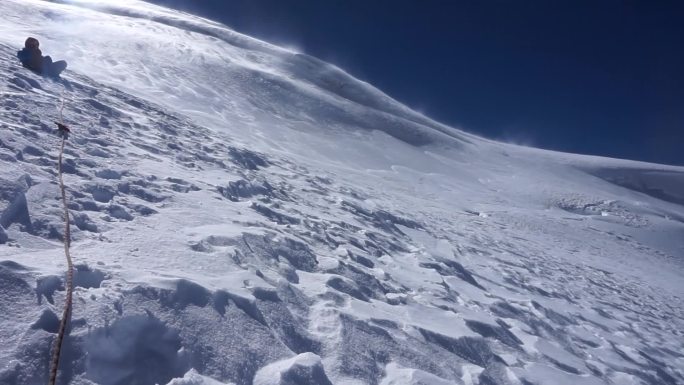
{"x": 32, "y": 58}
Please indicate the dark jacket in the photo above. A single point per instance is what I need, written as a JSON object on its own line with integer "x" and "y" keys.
{"x": 31, "y": 58}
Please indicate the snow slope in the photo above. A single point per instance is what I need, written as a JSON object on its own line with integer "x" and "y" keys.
{"x": 246, "y": 214}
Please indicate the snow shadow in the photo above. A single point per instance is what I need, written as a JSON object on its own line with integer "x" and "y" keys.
{"x": 134, "y": 350}
{"x": 664, "y": 185}
{"x": 87, "y": 277}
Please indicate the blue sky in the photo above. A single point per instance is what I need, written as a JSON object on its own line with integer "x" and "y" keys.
{"x": 593, "y": 77}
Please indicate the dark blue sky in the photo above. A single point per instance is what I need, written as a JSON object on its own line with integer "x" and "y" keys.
{"x": 595, "y": 77}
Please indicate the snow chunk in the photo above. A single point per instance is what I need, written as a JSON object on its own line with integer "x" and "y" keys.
{"x": 37, "y": 211}
{"x": 194, "y": 378}
{"x": 303, "y": 369}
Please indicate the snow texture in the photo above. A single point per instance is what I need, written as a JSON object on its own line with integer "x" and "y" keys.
{"x": 245, "y": 214}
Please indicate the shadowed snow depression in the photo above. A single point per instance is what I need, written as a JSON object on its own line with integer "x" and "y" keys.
{"x": 245, "y": 214}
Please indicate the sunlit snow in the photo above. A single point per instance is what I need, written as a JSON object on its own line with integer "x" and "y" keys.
{"x": 246, "y": 214}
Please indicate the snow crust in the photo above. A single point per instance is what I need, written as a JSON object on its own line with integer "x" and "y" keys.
{"x": 245, "y": 214}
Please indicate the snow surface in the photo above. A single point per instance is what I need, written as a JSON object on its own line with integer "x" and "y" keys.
{"x": 245, "y": 214}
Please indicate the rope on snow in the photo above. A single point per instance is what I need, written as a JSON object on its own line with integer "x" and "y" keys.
{"x": 63, "y": 132}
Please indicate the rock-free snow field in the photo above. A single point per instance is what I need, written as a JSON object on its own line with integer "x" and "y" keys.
{"x": 245, "y": 214}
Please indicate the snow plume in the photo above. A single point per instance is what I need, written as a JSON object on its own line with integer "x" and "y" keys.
{"x": 243, "y": 215}
{"x": 517, "y": 137}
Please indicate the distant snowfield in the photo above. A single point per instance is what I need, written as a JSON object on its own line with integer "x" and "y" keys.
{"x": 244, "y": 214}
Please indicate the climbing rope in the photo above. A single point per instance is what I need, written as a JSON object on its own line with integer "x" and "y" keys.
{"x": 63, "y": 131}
